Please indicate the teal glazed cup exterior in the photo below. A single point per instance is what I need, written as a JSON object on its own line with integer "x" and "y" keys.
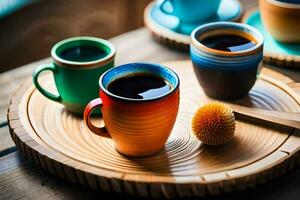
{"x": 190, "y": 11}
{"x": 139, "y": 127}
{"x": 222, "y": 74}
{"x": 76, "y": 82}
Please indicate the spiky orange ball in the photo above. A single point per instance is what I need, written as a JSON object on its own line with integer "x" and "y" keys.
{"x": 214, "y": 124}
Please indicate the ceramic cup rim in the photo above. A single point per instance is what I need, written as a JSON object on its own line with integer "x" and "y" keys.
{"x": 230, "y": 26}
{"x": 162, "y": 67}
{"x": 284, "y": 4}
{"x": 82, "y": 65}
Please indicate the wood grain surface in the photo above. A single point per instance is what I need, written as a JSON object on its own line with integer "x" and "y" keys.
{"x": 23, "y": 179}
{"x": 283, "y": 188}
{"x": 16, "y": 171}
{"x": 5, "y": 141}
{"x": 52, "y": 137}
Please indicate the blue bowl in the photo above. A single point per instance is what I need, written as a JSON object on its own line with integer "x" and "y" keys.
{"x": 223, "y": 74}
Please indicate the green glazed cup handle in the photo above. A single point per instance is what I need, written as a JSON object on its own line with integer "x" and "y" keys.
{"x": 35, "y": 76}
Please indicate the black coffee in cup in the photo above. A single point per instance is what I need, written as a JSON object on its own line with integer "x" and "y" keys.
{"x": 139, "y": 86}
{"x": 228, "y": 42}
{"x": 83, "y": 53}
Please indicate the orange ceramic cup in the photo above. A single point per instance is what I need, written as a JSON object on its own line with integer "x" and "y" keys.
{"x": 281, "y": 19}
{"x": 139, "y": 127}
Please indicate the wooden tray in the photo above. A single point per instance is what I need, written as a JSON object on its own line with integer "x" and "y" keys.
{"x": 62, "y": 144}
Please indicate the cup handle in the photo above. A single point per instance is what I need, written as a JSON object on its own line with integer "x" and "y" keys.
{"x": 35, "y": 76}
{"x": 92, "y": 105}
{"x": 161, "y": 4}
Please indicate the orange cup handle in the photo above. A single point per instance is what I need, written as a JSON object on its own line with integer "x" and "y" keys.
{"x": 92, "y": 105}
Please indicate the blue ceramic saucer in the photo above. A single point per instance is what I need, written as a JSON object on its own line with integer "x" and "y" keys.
{"x": 229, "y": 10}
{"x": 276, "y": 52}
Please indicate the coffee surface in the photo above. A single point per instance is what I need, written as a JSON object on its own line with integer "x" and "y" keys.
{"x": 83, "y": 53}
{"x": 227, "y": 42}
{"x": 139, "y": 86}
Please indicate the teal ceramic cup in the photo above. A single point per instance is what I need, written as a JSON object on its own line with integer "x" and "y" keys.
{"x": 77, "y": 65}
{"x": 190, "y": 11}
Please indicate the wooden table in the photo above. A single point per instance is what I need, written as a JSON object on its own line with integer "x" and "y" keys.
{"x": 22, "y": 179}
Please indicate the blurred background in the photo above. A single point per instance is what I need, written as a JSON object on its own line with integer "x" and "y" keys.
{"x": 29, "y": 28}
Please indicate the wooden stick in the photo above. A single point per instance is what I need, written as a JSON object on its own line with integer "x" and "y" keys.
{"x": 286, "y": 119}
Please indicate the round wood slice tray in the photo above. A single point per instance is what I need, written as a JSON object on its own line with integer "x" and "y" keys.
{"x": 63, "y": 145}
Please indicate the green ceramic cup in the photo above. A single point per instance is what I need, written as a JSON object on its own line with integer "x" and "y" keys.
{"x": 77, "y": 65}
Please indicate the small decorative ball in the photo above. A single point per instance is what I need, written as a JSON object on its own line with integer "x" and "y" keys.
{"x": 214, "y": 124}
